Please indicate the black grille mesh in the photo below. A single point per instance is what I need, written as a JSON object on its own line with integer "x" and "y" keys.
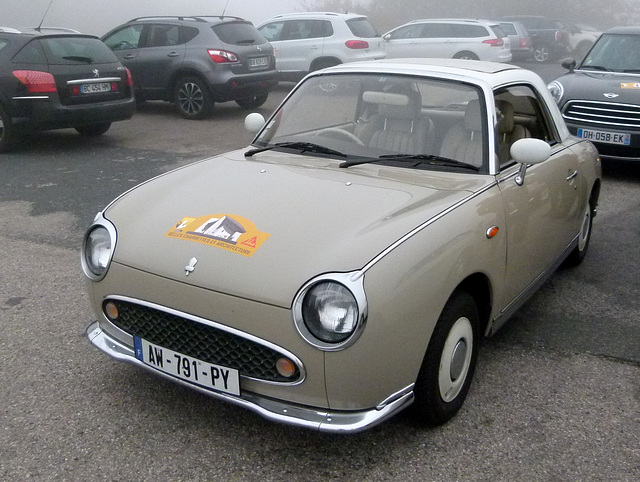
{"x": 200, "y": 341}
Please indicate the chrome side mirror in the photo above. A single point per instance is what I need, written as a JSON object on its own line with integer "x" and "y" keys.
{"x": 529, "y": 151}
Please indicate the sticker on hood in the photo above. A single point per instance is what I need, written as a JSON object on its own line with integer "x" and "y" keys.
{"x": 226, "y": 231}
{"x": 630, "y": 85}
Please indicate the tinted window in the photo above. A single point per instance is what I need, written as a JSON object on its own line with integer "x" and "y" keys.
{"x": 500, "y": 33}
{"x": 163, "y": 35}
{"x": 508, "y": 28}
{"x": 410, "y": 31}
{"x": 74, "y": 50}
{"x": 469, "y": 31}
{"x": 360, "y": 27}
{"x": 238, "y": 33}
{"x": 272, "y": 31}
{"x": 438, "y": 30}
{"x": 189, "y": 33}
{"x": 125, "y": 38}
{"x": 3, "y": 43}
{"x": 305, "y": 29}
{"x": 31, "y": 53}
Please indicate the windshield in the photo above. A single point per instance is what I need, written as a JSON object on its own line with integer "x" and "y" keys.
{"x": 396, "y": 120}
{"x": 614, "y": 53}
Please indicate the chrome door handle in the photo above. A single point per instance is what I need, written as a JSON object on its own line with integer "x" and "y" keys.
{"x": 572, "y": 175}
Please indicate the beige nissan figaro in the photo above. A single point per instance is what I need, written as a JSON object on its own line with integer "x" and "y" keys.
{"x": 346, "y": 265}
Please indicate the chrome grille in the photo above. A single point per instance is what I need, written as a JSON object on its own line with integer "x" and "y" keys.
{"x": 201, "y": 341}
{"x": 603, "y": 114}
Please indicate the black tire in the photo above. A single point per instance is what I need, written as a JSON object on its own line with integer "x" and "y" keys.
{"x": 542, "y": 53}
{"x": 323, "y": 64}
{"x": 252, "y": 102}
{"x": 466, "y": 55}
{"x": 6, "y": 130}
{"x": 193, "y": 98}
{"x": 584, "y": 237}
{"x": 93, "y": 130}
{"x": 449, "y": 364}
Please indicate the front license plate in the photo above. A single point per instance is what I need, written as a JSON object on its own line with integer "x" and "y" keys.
{"x": 95, "y": 88}
{"x": 606, "y": 137}
{"x": 187, "y": 368}
{"x": 259, "y": 62}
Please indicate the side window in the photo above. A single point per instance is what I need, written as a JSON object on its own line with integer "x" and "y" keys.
{"x": 469, "y": 31}
{"x": 163, "y": 35}
{"x": 520, "y": 115}
{"x": 125, "y": 38}
{"x": 272, "y": 31}
{"x": 301, "y": 29}
{"x": 410, "y": 31}
{"x": 3, "y": 43}
{"x": 437, "y": 30}
{"x": 31, "y": 53}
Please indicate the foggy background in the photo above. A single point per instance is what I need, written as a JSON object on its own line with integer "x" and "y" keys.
{"x": 99, "y": 16}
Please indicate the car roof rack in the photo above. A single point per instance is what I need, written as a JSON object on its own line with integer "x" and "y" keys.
{"x": 9, "y": 30}
{"x": 55, "y": 29}
{"x": 195, "y": 18}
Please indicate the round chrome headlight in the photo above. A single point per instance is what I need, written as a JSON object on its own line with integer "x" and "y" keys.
{"x": 330, "y": 311}
{"x": 97, "y": 250}
{"x": 557, "y": 90}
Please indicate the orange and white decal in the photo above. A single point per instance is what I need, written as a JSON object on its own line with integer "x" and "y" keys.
{"x": 226, "y": 231}
{"x": 630, "y": 85}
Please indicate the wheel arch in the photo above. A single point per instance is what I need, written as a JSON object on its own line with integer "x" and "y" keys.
{"x": 328, "y": 61}
{"x": 478, "y": 286}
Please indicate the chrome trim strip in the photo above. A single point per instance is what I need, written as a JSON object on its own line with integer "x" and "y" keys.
{"x": 277, "y": 411}
{"x": 425, "y": 225}
{"x": 221, "y": 327}
{"x": 621, "y": 74}
{"x": 99, "y": 220}
{"x": 94, "y": 80}
{"x": 32, "y": 97}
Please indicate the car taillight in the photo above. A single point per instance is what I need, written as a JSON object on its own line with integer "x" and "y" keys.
{"x": 222, "y": 56}
{"x": 36, "y": 82}
{"x": 357, "y": 44}
{"x": 524, "y": 43}
{"x": 129, "y": 78}
{"x": 494, "y": 42}
{"x": 560, "y": 36}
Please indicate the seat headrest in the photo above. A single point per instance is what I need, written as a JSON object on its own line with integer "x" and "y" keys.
{"x": 473, "y": 116}
{"x": 394, "y": 105}
{"x": 506, "y": 119}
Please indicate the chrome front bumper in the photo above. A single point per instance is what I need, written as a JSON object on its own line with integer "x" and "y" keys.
{"x": 321, "y": 420}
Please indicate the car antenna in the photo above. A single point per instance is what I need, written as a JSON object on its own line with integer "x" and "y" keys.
{"x": 44, "y": 16}
{"x": 223, "y": 10}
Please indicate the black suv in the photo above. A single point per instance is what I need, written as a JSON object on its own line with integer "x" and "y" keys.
{"x": 549, "y": 37}
{"x": 196, "y": 61}
{"x": 58, "y": 78}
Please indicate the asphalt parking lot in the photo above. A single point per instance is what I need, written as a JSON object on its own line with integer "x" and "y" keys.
{"x": 556, "y": 395}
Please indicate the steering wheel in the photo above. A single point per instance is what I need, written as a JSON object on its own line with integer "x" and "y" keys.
{"x": 340, "y": 134}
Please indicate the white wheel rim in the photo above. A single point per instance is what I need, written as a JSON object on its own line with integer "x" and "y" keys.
{"x": 455, "y": 359}
{"x": 584, "y": 231}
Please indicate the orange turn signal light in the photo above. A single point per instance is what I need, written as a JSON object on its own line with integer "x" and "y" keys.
{"x": 111, "y": 310}
{"x": 285, "y": 367}
{"x": 492, "y": 231}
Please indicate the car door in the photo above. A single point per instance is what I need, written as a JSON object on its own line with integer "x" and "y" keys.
{"x": 272, "y": 31}
{"x": 438, "y": 40}
{"x": 162, "y": 53}
{"x": 405, "y": 42}
{"x": 303, "y": 42}
{"x": 544, "y": 214}
{"x": 125, "y": 44}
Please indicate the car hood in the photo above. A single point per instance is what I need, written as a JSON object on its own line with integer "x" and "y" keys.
{"x": 601, "y": 86}
{"x": 260, "y": 229}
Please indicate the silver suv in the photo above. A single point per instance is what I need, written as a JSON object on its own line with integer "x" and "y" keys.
{"x": 196, "y": 61}
{"x": 305, "y": 42}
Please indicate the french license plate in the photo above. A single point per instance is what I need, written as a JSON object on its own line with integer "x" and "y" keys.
{"x": 95, "y": 88}
{"x": 187, "y": 368}
{"x": 259, "y": 62}
{"x": 606, "y": 137}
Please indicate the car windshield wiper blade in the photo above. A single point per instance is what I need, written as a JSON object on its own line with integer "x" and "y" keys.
{"x": 301, "y": 146}
{"x": 596, "y": 67}
{"x": 430, "y": 159}
{"x": 78, "y": 58}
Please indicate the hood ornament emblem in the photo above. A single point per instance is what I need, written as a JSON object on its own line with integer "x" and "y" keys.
{"x": 190, "y": 268}
{"x": 610, "y": 95}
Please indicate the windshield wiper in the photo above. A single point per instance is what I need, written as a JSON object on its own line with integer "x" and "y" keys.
{"x": 301, "y": 146}
{"x": 595, "y": 67}
{"x": 430, "y": 159}
{"x": 77, "y": 58}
